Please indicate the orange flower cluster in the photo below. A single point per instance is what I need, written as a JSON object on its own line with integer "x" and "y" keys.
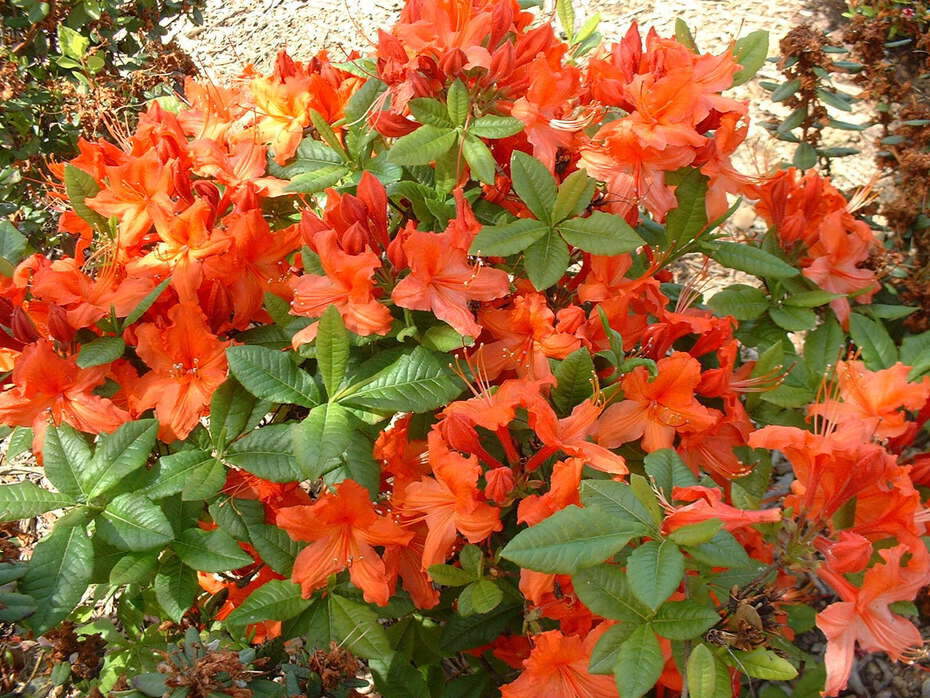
{"x": 198, "y": 235}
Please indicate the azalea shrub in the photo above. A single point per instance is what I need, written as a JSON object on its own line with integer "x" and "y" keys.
{"x": 386, "y": 371}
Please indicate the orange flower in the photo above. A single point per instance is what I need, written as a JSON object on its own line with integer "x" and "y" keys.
{"x": 86, "y": 299}
{"x": 136, "y": 193}
{"x": 347, "y": 285}
{"x": 570, "y": 435}
{"x": 558, "y": 668}
{"x": 236, "y": 592}
{"x": 829, "y": 468}
{"x": 864, "y": 617}
{"x": 48, "y": 388}
{"x": 526, "y": 337}
{"x": 876, "y": 398}
{"x": 442, "y": 281}
{"x": 188, "y": 364}
{"x": 450, "y": 502}
{"x": 563, "y": 490}
{"x": 656, "y": 410}
{"x": 342, "y": 528}
{"x": 186, "y": 241}
{"x": 707, "y": 503}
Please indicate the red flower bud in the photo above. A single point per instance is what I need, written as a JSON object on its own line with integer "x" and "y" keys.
{"x": 24, "y": 329}
{"x": 58, "y": 326}
{"x": 500, "y": 484}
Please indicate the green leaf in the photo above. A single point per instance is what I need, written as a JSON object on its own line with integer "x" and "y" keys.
{"x": 639, "y": 663}
{"x": 134, "y": 568}
{"x": 234, "y": 410}
{"x": 878, "y": 349}
{"x": 605, "y": 590}
{"x": 805, "y": 156}
{"x": 15, "y": 607}
{"x": 683, "y": 34}
{"x": 361, "y": 102}
{"x": 655, "y": 571}
{"x": 24, "y": 500}
{"x": 271, "y": 375}
{"x": 492, "y": 126}
{"x": 356, "y": 627}
{"x": 458, "y": 102}
{"x": 750, "y": 52}
{"x": 764, "y": 664}
{"x": 570, "y": 540}
{"x": 275, "y": 547}
{"x": 566, "y": 17}
{"x": 702, "y": 674}
{"x": 66, "y": 456}
{"x": 177, "y": 471}
{"x": 147, "y": 302}
{"x": 465, "y": 632}
{"x": 450, "y": 576}
{"x": 507, "y": 239}
{"x": 600, "y": 233}
{"x": 279, "y": 599}
{"x": 210, "y": 551}
{"x": 430, "y": 111}
{"x": 684, "y": 620}
{"x": 666, "y": 468}
{"x": 312, "y": 155}
{"x": 834, "y": 99}
{"x": 723, "y": 550}
{"x": 697, "y": 533}
{"x": 237, "y": 516}
{"x": 617, "y": 499}
{"x": 13, "y": 244}
{"x": 785, "y": 90}
{"x": 176, "y": 588}
{"x": 687, "y": 220}
{"x": 793, "y": 319}
{"x": 741, "y": 301}
{"x": 79, "y": 186}
{"x": 320, "y": 440}
{"x": 423, "y": 146}
{"x": 58, "y": 574}
{"x": 546, "y": 260}
{"x": 533, "y": 184}
{"x": 133, "y": 522}
{"x": 480, "y": 160}
{"x": 317, "y": 180}
{"x": 118, "y": 454}
{"x": 101, "y": 351}
{"x": 751, "y": 260}
{"x": 443, "y": 338}
{"x": 72, "y": 43}
{"x": 267, "y": 452}
{"x": 574, "y": 376}
{"x": 606, "y": 652}
{"x": 575, "y": 193}
{"x": 417, "y": 382}
{"x": 482, "y": 596}
{"x": 332, "y": 349}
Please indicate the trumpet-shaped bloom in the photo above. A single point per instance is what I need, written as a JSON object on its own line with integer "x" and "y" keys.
{"x": 450, "y": 503}
{"x": 655, "y": 410}
{"x": 188, "y": 364}
{"x": 347, "y": 285}
{"x": 876, "y": 398}
{"x": 48, "y": 388}
{"x": 442, "y": 281}
{"x": 342, "y": 528}
{"x": 558, "y": 668}
{"x": 863, "y": 616}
